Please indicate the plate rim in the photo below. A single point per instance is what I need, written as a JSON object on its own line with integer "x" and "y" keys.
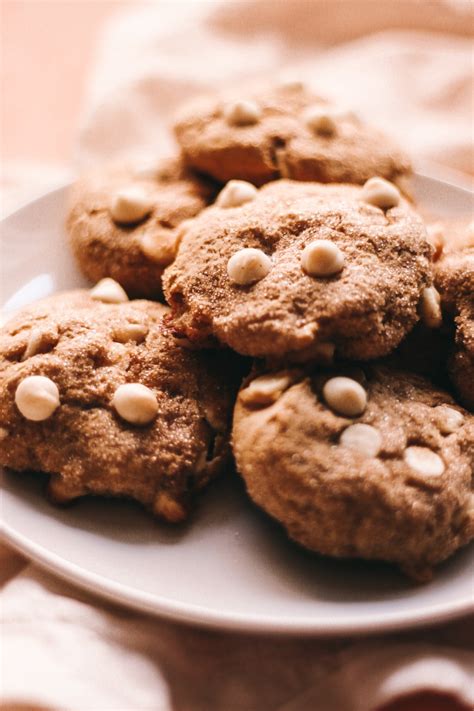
{"x": 197, "y": 615}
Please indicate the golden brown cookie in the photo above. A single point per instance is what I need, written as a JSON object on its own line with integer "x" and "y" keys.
{"x": 302, "y": 270}
{"x": 287, "y": 132}
{"x": 428, "y": 347}
{"x": 454, "y": 278}
{"x": 124, "y": 222}
{"x": 365, "y": 462}
{"x": 101, "y": 397}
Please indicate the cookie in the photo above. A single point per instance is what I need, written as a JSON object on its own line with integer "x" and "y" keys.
{"x": 287, "y": 132}
{"x": 454, "y": 279}
{"x": 365, "y": 462}
{"x": 302, "y": 270}
{"x": 124, "y": 222}
{"x": 101, "y": 397}
{"x": 428, "y": 347}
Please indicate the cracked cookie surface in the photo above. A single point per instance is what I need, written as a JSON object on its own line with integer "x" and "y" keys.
{"x": 363, "y": 310}
{"x": 264, "y": 135}
{"x": 391, "y": 483}
{"x": 85, "y": 439}
{"x": 123, "y": 222}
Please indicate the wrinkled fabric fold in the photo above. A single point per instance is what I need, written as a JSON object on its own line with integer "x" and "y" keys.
{"x": 84, "y": 655}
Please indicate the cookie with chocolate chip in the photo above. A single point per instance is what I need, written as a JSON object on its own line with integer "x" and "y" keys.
{"x": 454, "y": 278}
{"x": 428, "y": 348}
{"x": 124, "y": 221}
{"x": 302, "y": 270}
{"x": 99, "y": 395}
{"x": 365, "y": 462}
{"x": 287, "y": 132}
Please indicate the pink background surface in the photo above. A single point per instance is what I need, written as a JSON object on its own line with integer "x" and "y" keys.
{"x": 47, "y": 53}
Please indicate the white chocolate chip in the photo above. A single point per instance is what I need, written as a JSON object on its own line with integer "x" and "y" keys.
{"x": 242, "y": 113}
{"x": 436, "y": 238}
{"x": 449, "y": 420}
{"x": 168, "y": 508}
{"x": 34, "y": 344}
{"x": 381, "y": 193}
{"x": 429, "y": 307}
{"x": 307, "y": 333}
{"x": 424, "y": 461}
{"x": 322, "y": 258}
{"x": 266, "y": 389}
{"x": 236, "y": 193}
{"x": 116, "y": 352}
{"x": 345, "y": 396}
{"x": 135, "y": 403}
{"x": 130, "y": 332}
{"x": 130, "y": 204}
{"x": 3, "y": 433}
{"x": 109, "y": 291}
{"x": 321, "y": 120}
{"x": 37, "y": 397}
{"x": 248, "y": 265}
{"x": 159, "y": 248}
{"x": 363, "y": 438}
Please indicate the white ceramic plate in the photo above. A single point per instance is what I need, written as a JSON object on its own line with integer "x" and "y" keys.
{"x": 231, "y": 567}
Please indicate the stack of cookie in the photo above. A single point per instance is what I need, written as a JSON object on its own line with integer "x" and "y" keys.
{"x": 285, "y": 244}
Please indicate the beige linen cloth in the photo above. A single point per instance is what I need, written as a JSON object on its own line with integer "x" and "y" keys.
{"x": 404, "y": 65}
